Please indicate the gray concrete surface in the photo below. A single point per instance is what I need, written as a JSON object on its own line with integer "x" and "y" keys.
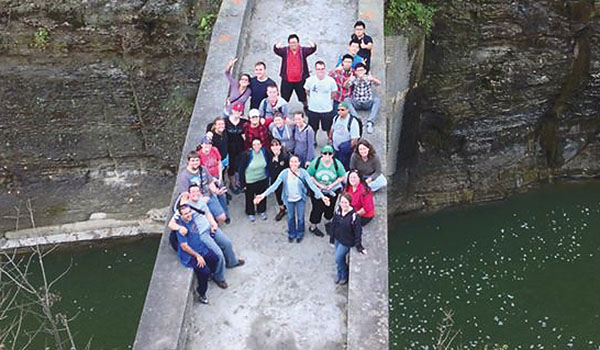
{"x": 368, "y": 283}
{"x": 285, "y": 297}
{"x": 164, "y": 322}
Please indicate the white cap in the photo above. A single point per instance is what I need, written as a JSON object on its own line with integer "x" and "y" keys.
{"x": 253, "y": 112}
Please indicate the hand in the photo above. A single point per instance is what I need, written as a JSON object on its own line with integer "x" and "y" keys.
{"x": 209, "y": 134}
{"x": 262, "y": 121}
{"x": 279, "y": 44}
{"x": 363, "y": 45}
{"x": 214, "y": 227}
{"x": 206, "y": 199}
{"x": 311, "y": 44}
{"x": 232, "y": 61}
{"x": 351, "y": 78}
{"x": 183, "y": 230}
{"x": 363, "y": 251}
{"x": 368, "y": 180}
{"x": 328, "y": 187}
{"x": 200, "y": 260}
{"x": 306, "y": 164}
{"x": 258, "y": 198}
{"x": 326, "y": 201}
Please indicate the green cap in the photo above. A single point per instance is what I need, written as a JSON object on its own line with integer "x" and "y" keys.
{"x": 343, "y": 104}
{"x": 327, "y": 148}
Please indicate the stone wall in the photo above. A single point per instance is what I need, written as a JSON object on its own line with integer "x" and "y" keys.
{"x": 94, "y": 103}
{"x": 509, "y": 98}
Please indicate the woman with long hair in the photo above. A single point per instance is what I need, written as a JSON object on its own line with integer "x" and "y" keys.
{"x": 280, "y": 159}
{"x": 366, "y": 161}
{"x": 295, "y": 182}
{"x": 362, "y": 197}
{"x": 346, "y": 232}
{"x": 239, "y": 90}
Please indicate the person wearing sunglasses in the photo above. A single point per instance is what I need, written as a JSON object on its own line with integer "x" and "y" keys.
{"x": 328, "y": 174}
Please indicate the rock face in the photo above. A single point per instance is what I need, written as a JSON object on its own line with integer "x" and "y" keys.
{"x": 94, "y": 103}
{"x": 509, "y": 97}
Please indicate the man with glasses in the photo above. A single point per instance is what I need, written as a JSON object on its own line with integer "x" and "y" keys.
{"x": 341, "y": 75}
{"x": 327, "y": 173}
{"x": 294, "y": 67}
{"x": 320, "y": 90}
{"x": 191, "y": 250}
{"x": 344, "y": 134}
{"x": 363, "y": 96}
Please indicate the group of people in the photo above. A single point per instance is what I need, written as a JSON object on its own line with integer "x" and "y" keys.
{"x": 272, "y": 150}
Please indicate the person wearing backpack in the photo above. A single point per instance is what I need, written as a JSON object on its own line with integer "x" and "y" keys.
{"x": 344, "y": 134}
{"x": 346, "y": 232}
{"x": 295, "y": 181}
{"x": 328, "y": 174}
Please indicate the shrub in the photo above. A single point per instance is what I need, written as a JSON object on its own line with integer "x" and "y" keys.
{"x": 41, "y": 37}
{"x": 402, "y": 13}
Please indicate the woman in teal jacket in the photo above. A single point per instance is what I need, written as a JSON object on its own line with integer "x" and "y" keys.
{"x": 295, "y": 181}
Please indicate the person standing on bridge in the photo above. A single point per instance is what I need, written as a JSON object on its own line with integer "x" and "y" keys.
{"x": 254, "y": 177}
{"x": 320, "y": 90}
{"x": 234, "y": 126}
{"x": 366, "y": 43}
{"x": 258, "y": 84}
{"x": 296, "y": 182}
{"x": 304, "y": 138}
{"x": 294, "y": 67}
{"x": 346, "y": 232}
{"x": 239, "y": 90}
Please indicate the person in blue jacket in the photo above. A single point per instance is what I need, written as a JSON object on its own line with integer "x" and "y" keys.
{"x": 296, "y": 182}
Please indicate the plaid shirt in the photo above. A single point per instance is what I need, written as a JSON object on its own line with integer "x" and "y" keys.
{"x": 363, "y": 89}
{"x": 340, "y": 76}
{"x": 261, "y": 131}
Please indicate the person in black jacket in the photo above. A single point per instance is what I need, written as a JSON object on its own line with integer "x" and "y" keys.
{"x": 346, "y": 232}
{"x": 280, "y": 159}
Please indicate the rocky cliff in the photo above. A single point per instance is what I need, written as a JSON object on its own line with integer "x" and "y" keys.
{"x": 94, "y": 103}
{"x": 509, "y": 97}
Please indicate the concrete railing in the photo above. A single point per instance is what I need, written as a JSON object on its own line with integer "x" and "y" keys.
{"x": 165, "y": 321}
{"x": 368, "y": 283}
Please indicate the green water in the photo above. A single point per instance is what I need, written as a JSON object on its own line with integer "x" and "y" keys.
{"x": 105, "y": 287}
{"x": 523, "y": 273}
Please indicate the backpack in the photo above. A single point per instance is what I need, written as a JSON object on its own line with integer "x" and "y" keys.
{"x": 335, "y": 165}
{"x": 352, "y": 117}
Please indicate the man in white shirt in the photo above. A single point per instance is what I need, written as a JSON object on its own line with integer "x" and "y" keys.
{"x": 320, "y": 89}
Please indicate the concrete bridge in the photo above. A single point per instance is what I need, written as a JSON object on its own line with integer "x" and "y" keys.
{"x": 284, "y": 297}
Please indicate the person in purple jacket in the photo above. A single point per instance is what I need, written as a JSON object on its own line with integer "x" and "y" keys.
{"x": 294, "y": 67}
{"x": 239, "y": 90}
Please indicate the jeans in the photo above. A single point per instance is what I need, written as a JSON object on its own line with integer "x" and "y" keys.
{"x": 371, "y": 105}
{"x": 223, "y": 201}
{"x": 296, "y": 218}
{"x": 378, "y": 183}
{"x": 223, "y": 249}
{"x": 214, "y": 205}
{"x": 341, "y": 251}
{"x": 202, "y": 273}
{"x": 344, "y": 153}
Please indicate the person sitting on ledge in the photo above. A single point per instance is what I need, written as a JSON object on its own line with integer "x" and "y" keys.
{"x": 210, "y": 234}
{"x": 366, "y": 161}
{"x": 192, "y": 252}
{"x": 346, "y": 232}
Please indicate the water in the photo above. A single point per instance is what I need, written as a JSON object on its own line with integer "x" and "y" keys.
{"x": 523, "y": 273}
{"x": 105, "y": 287}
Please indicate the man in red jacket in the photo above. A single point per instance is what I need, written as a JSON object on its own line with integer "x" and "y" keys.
{"x": 294, "y": 67}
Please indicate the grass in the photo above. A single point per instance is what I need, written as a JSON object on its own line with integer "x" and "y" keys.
{"x": 41, "y": 38}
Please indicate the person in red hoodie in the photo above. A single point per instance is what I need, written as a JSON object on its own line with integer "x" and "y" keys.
{"x": 257, "y": 128}
{"x": 362, "y": 197}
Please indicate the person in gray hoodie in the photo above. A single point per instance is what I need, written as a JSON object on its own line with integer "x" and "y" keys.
{"x": 273, "y": 104}
{"x": 304, "y": 138}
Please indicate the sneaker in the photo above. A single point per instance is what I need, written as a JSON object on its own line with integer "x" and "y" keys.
{"x": 263, "y": 216}
{"x": 342, "y": 282}
{"x": 221, "y": 284}
{"x": 203, "y": 299}
{"x": 315, "y": 230}
{"x": 280, "y": 215}
{"x": 290, "y": 239}
{"x": 252, "y": 218}
{"x": 228, "y": 221}
{"x": 235, "y": 190}
{"x": 298, "y": 240}
{"x": 370, "y": 128}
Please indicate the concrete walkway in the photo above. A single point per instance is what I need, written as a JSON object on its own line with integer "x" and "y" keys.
{"x": 285, "y": 296}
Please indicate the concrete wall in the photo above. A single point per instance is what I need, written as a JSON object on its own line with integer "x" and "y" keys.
{"x": 368, "y": 283}
{"x": 164, "y": 322}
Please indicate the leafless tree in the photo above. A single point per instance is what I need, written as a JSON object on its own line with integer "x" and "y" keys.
{"x": 25, "y": 302}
